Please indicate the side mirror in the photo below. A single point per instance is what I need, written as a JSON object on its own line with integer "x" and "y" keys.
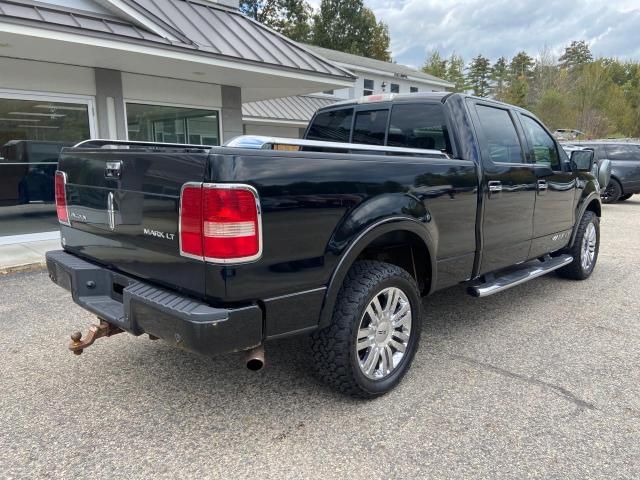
{"x": 582, "y": 160}
{"x": 604, "y": 173}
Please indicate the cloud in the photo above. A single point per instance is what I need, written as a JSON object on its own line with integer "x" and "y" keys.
{"x": 505, "y": 27}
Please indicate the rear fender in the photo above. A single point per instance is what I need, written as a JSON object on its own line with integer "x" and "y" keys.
{"x": 367, "y": 223}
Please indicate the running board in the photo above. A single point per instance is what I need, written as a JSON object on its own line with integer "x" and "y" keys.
{"x": 526, "y": 272}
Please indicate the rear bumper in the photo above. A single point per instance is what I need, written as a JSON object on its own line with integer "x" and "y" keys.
{"x": 138, "y": 307}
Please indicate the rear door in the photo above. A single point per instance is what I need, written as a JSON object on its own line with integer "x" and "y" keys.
{"x": 626, "y": 165}
{"x": 554, "y": 214}
{"x": 123, "y": 211}
{"x": 508, "y": 187}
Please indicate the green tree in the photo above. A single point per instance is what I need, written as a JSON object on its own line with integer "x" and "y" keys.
{"x": 521, "y": 66}
{"x": 576, "y": 55}
{"x": 479, "y": 76}
{"x": 435, "y": 65}
{"x": 455, "y": 72}
{"x": 500, "y": 78}
{"x": 348, "y": 26}
{"x": 517, "y": 92}
{"x": 292, "y": 18}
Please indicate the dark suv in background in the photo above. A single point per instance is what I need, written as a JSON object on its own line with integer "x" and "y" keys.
{"x": 625, "y": 171}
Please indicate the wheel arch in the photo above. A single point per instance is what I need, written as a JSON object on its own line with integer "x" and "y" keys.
{"x": 591, "y": 203}
{"x": 384, "y": 236}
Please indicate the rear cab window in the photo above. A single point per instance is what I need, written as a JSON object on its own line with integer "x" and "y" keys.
{"x": 333, "y": 126}
{"x": 420, "y": 125}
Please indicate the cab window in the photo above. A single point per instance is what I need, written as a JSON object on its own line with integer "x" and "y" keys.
{"x": 332, "y": 126}
{"x": 500, "y": 138}
{"x": 370, "y": 127}
{"x": 544, "y": 149}
{"x": 419, "y": 125}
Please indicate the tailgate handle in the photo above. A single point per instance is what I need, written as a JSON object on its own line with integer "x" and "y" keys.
{"x": 113, "y": 169}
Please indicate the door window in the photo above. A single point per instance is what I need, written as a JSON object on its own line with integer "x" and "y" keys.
{"x": 370, "y": 127}
{"x": 544, "y": 149}
{"x": 419, "y": 125}
{"x": 623, "y": 152}
{"x": 500, "y": 136}
{"x": 333, "y": 126}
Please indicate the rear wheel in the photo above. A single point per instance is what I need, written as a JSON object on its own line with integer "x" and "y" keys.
{"x": 625, "y": 197}
{"x": 374, "y": 333}
{"x": 585, "y": 249}
{"x": 612, "y": 193}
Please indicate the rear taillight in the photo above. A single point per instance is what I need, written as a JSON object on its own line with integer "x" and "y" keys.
{"x": 61, "y": 197}
{"x": 220, "y": 223}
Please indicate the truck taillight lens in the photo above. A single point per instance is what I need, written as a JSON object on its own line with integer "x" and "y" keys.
{"x": 61, "y": 197}
{"x": 220, "y": 223}
{"x": 191, "y": 221}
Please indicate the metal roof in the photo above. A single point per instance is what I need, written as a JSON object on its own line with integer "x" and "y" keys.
{"x": 21, "y": 10}
{"x": 202, "y": 26}
{"x": 373, "y": 64}
{"x": 299, "y": 108}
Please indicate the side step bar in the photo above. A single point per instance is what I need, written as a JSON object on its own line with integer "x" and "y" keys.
{"x": 526, "y": 272}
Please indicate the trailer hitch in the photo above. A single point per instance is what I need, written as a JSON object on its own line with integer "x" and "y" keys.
{"x": 104, "y": 329}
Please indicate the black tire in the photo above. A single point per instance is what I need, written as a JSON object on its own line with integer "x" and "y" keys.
{"x": 576, "y": 270}
{"x": 334, "y": 348}
{"x": 612, "y": 193}
{"x": 625, "y": 197}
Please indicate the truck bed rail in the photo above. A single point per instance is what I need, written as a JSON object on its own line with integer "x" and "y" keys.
{"x": 276, "y": 143}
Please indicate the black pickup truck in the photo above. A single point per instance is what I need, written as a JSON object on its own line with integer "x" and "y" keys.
{"x": 389, "y": 198}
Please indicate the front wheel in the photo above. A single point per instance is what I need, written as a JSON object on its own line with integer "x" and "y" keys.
{"x": 585, "y": 248}
{"x": 374, "y": 333}
{"x": 625, "y": 197}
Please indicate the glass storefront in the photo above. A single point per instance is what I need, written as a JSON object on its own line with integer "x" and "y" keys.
{"x": 161, "y": 123}
{"x": 32, "y": 133}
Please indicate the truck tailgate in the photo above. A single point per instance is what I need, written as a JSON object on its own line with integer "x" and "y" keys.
{"x": 123, "y": 209}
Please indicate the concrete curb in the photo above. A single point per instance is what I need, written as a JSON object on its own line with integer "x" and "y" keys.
{"x": 27, "y": 267}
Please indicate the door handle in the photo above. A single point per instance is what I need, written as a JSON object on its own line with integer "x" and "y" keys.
{"x": 495, "y": 187}
{"x": 542, "y": 186}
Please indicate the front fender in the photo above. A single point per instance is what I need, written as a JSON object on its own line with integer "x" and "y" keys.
{"x": 590, "y": 194}
{"x": 401, "y": 212}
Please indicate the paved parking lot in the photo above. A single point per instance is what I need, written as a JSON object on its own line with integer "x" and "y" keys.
{"x": 542, "y": 381}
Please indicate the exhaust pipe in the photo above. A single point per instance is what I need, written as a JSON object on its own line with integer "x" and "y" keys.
{"x": 255, "y": 358}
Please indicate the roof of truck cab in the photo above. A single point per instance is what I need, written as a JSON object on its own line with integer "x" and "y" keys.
{"x": 391, "y": 97}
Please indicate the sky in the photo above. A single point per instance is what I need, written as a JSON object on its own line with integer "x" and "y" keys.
{"x": 502, "y": 27}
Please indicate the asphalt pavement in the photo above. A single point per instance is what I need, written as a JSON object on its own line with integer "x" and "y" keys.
{"x": 541, "y": 381}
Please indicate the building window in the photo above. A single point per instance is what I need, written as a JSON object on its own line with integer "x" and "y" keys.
{"x": 395, "y": 88}
{"x": 32, "y": 133}
{"x": 413, "y": 89}
{"x": 328, "y": 92}
{"x": 368, "y": 87}
{"x": 161, "y": 123}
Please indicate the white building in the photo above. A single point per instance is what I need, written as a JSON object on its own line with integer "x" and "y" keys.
{"x": 290, "y": 115}
{"x": 151, "y": 70}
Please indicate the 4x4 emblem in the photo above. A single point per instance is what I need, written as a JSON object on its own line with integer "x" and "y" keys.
{"x": 111, "y": 213}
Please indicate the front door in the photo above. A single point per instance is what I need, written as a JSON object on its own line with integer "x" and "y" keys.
{"x": 554, "y": 214}
{"x": 508, "y": 187}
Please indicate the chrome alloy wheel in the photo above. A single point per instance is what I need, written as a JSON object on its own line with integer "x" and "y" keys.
{"x": 383, "y": 333}
{"x": 588, "y": 251}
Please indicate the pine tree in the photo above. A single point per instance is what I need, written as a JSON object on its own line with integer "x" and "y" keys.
{"x": 455, "y": 72}
{"x": 500, "y": 78}
{"x": 576, "y": 55}
{"x": 479, "y": 76}
{"x": 435, "y": 65}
